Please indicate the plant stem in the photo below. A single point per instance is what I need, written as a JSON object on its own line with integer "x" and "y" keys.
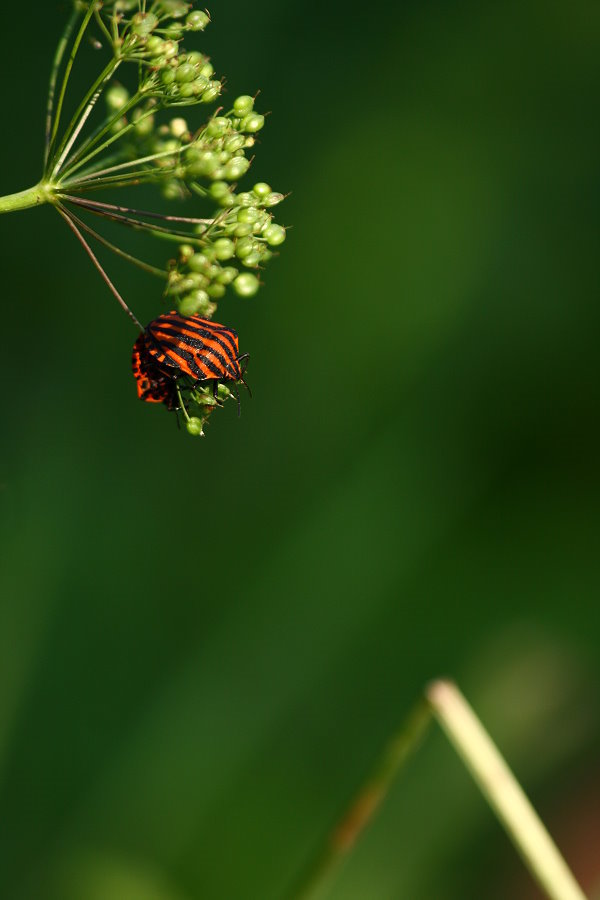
{"x": 116, "y": 137}
{"x": 146, "y": 267}
{"x": 444, "y": 702}
{"x": 92, "y": 139}
{"x": 63, "y": 212}
{"x": 96, "y": 204}
{"x": 365, "y": 803}
{"x": 56, "y": 63}
{"x": 68, "y": 68}
{"x": 81, "y": 115}
{"x": 33, "y": 196}
{"x": 502, "y": 791}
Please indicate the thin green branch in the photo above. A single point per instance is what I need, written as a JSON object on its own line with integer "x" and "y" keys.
{"x": 69, "y": 220}
{"x": 138, "y": 224}
{"x": 68, "y": 68}
{"x": 125, "y": 165}
{"x": 103, "y": 28}
{"x": 82, "y": 113}
{"x": 146, "y": 267}
{"x": 116, "y": 137}
{"x": 56, "y": 64}
{"x": 103, "y": 128}
{"x": 444, "y": 703}
{"x": 97, "y": 204}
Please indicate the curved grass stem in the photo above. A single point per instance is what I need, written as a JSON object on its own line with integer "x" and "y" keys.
{"x": 443, "y": 702}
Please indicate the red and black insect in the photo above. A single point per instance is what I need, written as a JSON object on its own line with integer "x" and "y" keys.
{"x": 176, "y": 350}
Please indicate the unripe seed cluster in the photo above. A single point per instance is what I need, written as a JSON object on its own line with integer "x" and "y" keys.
{"x": 240, "y": 238}
{"x": 227, "y": 250}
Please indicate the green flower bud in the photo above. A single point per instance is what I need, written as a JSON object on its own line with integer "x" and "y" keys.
{"x": 185, "y": 252}
{"x": 167, "y": 76}
{"x": 178, "y": 127}
{"x": 197, "y": 20}
{"x": 248, "y": 214}
{"x": 243, "y": 105}
{"x": 194, "y": 426}
{"x": 242, "y": 229}
{"x": 261, "y": 224}
{"x": 272, "y": 199}
{"x": 206, "y": 164}
{"x": 219, "y": 189}
{"x": 236, "y": 167}
{"x": 198, "y": 262}
{"x": 216, "y": 290}
{"x": 246, "y": 284}
{"x": 172, "y": 190}
{"x": 253, "y": 259}
{"x": 252, "y": 123}
{"x": 195, "y": 302}
{"x": 224, "y": 248}
{"x": 200, "y": 84}
{"x": 143, "y": 24}
{"x": 246, "y": 198}
{"x": 195, "y": 58}
{"x": 227, "y": 275}
{"x": 217, "y": 126}
{"x": 233, "y": 142}
{"x": 186, "y": 90}
{"x": 175, "y": 31}
{"x": 116, "y": 97}
{"x": 185, "y": 72}
{"x": 154, "y": 45}
{"x": 170, "y": 49}
{"x": 175, "y": 9}
{"x": 244, "y": 247}
{"x": 274, "y": 234}
{"x": 227, "y": 199}
{"x": 207, "y": 69}
{"x": 261, "y": 189}
{"x": 212, "y": 92}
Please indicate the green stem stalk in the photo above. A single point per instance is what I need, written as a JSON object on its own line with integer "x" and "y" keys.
{"x": 502, "y": 791}
{"x": 444, "y": 703}
{"x": 67, "y": 74}
{"x": 33, "y": 196}
{"x": 81, "y": 115}
{"x": 56, "y": 63}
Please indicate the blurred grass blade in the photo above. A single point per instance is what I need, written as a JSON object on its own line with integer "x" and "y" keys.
{"x": 444, "y": 702}
{"x": 502, "y": 791}
{"x": 343, "y": 838}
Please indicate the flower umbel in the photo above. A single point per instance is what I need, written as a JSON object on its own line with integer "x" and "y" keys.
{"x": 131, "y": 128}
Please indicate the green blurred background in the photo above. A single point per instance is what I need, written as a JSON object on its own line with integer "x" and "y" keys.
{"x": 204, "y": 645}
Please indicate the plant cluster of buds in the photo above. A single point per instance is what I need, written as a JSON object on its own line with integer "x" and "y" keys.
{"x": 240, "y": 238}
{"x": 140, "y": 140}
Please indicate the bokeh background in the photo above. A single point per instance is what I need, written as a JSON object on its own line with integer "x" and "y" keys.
{"x": 204, "y": 644}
